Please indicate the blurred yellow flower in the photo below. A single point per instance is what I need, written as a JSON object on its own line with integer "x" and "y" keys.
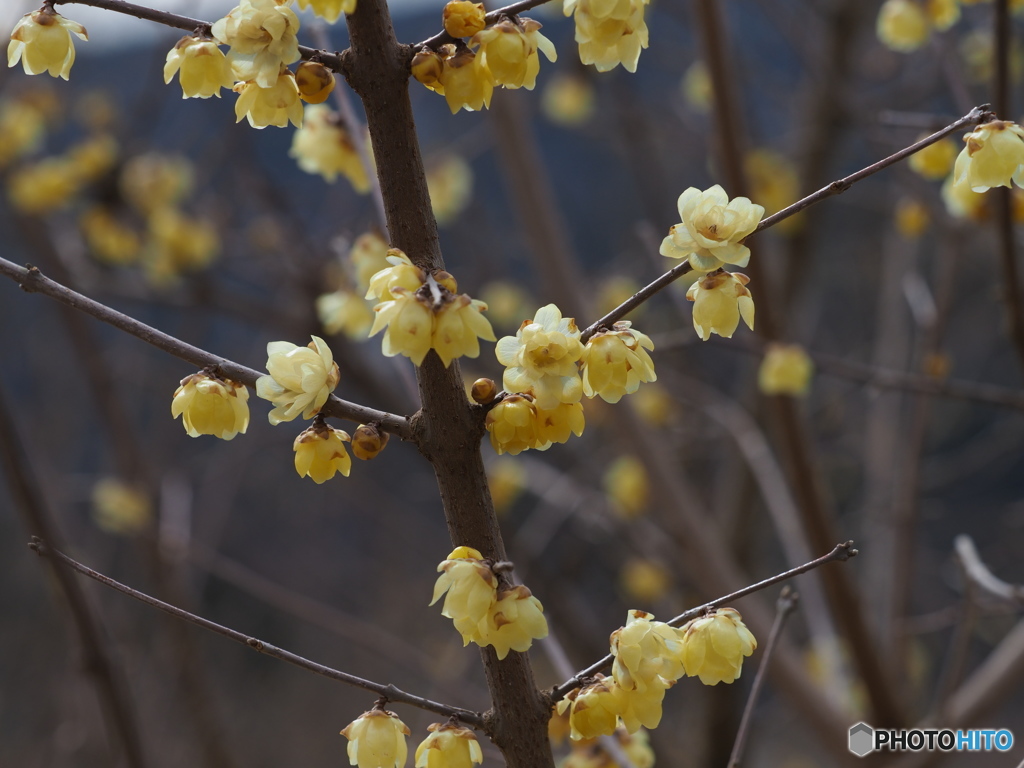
{"x": 450, "y": 184}
{"x": 367, "y": 257}
{"x": 785, "y": 370}
{"x": 696, "y": 87}
{"x": 568, "y": 100}
{"x": 644, "y": 580}
{"x": 627, "y": 486}
{"x": 108, "y": 239}
{"x": 934, "y": 161}
{"x": 323, "y": 145}
{"x": 120, "y": 508}
{"x": 902, "y": 25}
{"x": 912, "y": 218}
{"x": 329, "y": 10}
{"x": 344, "y": 312}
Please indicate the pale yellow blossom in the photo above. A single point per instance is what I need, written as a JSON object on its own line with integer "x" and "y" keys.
{"x": 120, "y": 508}
{"x": 934, "y": 161}
{"x": 541, "y": 358}
{"x": 367, "y": 257}
{"x": 512, "y": 425}
{"x": 720, "y": 299}
{"x": 627, "y": 485}
{"x": 401, "y": 274}
{"x": 785, "y": 370}
{"x": 711, "y": 229}
{"x": 609, "y": 33}
{"x": 593, "y": 709}
{"x": 993, "y": 157}
{"x": 450, "y": 185}
{"x": 471, "y": 588}
{"x": 344, "y": 312}
{"x": 615, "y": 362}
{"x": 42, "y": 42}
{"x": 509, "y": 51}
{"x": 320, "y": 453}
{"x": 300, "y": 381}
{"x": 902, "y": 25}
{"x": 467, "y": 82}
{"x": 448, "y": 746}
{"x": 513, "y": 622}
{"x": 261, "y": 34}
{"x": 211, "y": 405}
{"x": 458, "y": 327}
{"x": 714, "y": 646}
{"x": 409, "y": 321}
{"x": 911, "y": 218}
{"x": 568, "y": 100}
{"x": 555, "y": 425}
{"x": 376, "y": 739}
{"x": 323, "y": 145}
{"x": 647, "y": 654}
{"x": 202, "y": 68}
{"x": 644, "y": 580}
{"x": 276, "y": 104}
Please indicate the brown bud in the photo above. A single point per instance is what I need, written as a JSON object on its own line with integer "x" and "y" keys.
{"x": 484, "y": 391}
{"x": 368, "y": 440}
{"x": 426, "y": 67}
{"x": 315, "y": 82}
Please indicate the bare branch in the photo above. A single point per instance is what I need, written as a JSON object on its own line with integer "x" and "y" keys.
{"x": 32, "y": 280}
{"x": 978, "y": 572}
{"x": 389, "y": 692}
{"x": 509, "y": 10}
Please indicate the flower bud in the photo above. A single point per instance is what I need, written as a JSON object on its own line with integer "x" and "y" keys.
{"x": 484, "y": 391}
{"x": 368, "y": 440}
{"x": 426, "y": 67}
{"x": 463, "y": 18}
{"x": 315, "y": 82}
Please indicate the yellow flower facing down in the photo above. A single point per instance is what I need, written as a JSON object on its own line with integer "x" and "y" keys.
{"x": 201, "y": 66}
{"x": 644, "y": 580}
{"x": 344, "y": 312}
{"x": 450, "y": 185}
{"x": 509, "y": 51}
{"x": 329, "y": 10}
{"x": 320, "y": 453}
{"x": 323, "y": 145}
{"x": 467, "y": 82}
{"x": 512, "y": 425}
{"x": 627, "y": 485}
{"x": 647, "y": 654}
{"x": 785, "y": 370}
{"x": 542, "y": 358}
{"x": 409, "y": 321}
{"x": 276, "y": 104}
{"x": 961, "y": 201}
{"x": 459, "y": 326}
{"x": 210, "y": 405}
{"x": 593, "y": 709}
{"x": 902, "y": 25}
{"x": 119, "y": 508}
{"x": 568, "y": 100}
{"x": 714, "y": 647}
{"x": 934, "y": 161}
{"x": 513, "y": 622}
{"x": 22, "y": 128}
{"x": 464, "y": 19}
{"x": 642, "y": 709}
{"x": 943, "y": 13}
{"x": 314, "y": 81}
{"x": 448, "y": 746}
{"x": 42, "y": 42}
{"x": 44, "y": 186}
{"x": 300, "y": 381}
{"x": 911, "y": 218}
{"x": 719, "y": 301}
{"x": 616, "y": 362}
{"x": 401, "y": 274}
{"x": 471, "y": 588}
{"x": 993, "y": 157}
{"x": 108, "y": 239}
{"x": 367, "y": 257}
{"x": 696, "y": 87}
{"x": 609, "y": 33}
{"x": 181, "y": 241}
{"x": 555, "y": 425}
{"x": 261, "y": 34}
{"x": 152, "y": 180}
{"x": 711, "y": 229}
{"x": 376, "y": 739}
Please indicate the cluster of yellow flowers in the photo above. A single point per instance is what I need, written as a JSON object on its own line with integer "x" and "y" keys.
{"x": 345, "y": 310}
{"x": 376, "y": 739}
{"x": 549, "y": 369}
{"x": 423, "y": 312}
{"x": 650, "y": 656}
{"x": 509, "y": 619}
{"x": 506, "y": 56}
{"x": 609, "y": 33}
{"x": 710, "y": 236}
{"x": 589, "y": 753}
{"x": 54, "y": 182}
{"x": 906, "y": 25}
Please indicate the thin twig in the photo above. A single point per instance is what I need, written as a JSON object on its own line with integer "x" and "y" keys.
{"x": 32, "y": 280}
{"x": 840, "y": 553}
{"x": 509, "y": 10}
{"x": 979, "y": 573}
{"x": 977, "y": 115}
{"x": 785, "y": 605}
{"x": 390, "y": 692}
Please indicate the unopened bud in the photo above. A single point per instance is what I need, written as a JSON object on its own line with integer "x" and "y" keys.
{"x": 315, "y": 82}
{"x": 484, "y": 391}
{"x": 463, "y": 18}
{"x": 446, "y": 279}
{"x": 427, "y": 66}
{"x": 368, "y": 440}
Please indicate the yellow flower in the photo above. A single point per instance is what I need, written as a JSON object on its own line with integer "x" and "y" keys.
{"x": 94, "y": 157}
{"x": 609, "y": 33}
{"x": 211, "y": 405}
{"x": 993, "y": 157}
{"x": 457, "y": 328}
{"x": 785, "y": 370}
{"x": 719, "y": 301}
{"x": 911, "y": 218}
{"x": 184, "y": 242}
{"x": 300, "y": 381}
{"x": 593, "y": 709}
{"x": 696, "y": 87}
{"x": 463, "y": 18}
{"x": 401, "y": 274}
{"x": 108, "y": 239}
{"x": 22, "y": 128}
{"x": 934, "y": 161}
{"x": 42, "y": 42}
{"x": 902, "y": 25}
{"x": 467, "y": 82}
{"x": 647, "y": 654}
{"x": 202, "y": 68}
{"x": 329, "y": 10}
{"x": 120, "y": 508}
{"x": 368, "y": 441}
{"x": 506, "y": 479}
{"x": 555, "y": 425}
{"x": 314, "y": 81}
{"x": 344, "y": 311}
{"x": 320, "y": 453}
{"x": 323, "y": 145}
{"x": 615, "y": 362}
{"x": 943, "y": 13}
{"x": 774, "y": 181}
{"x": 542, "y": 358}
{"x": 513, "y": 622}
{"x": 714, "y": 647}
{"x": 261, "y": 34}
{"x": 654, "y": 405}
{"x": 277, "y": 104}
{"x": 471, "y": 591}
{"x": 568, "y": 100}
{"x": 506, "y": 302}
{"x": 367, "y": 257}
{"x": 509, "y": 51}
{"x": 450, "y": 184}
{"x": 513, "y": 424}
{"x": 44, "y": 186}
{"x": 627, "y": 486}
{"x": 641, "y": 708}
{"x": 961, "y": 201}
{"x": 711, "y": 229}
{"x": 448, "y": 746}
{"x": 151, "y": 180}
{"x": 410, "y": 325}
{"x": 376, "y": 739}
{"x": 644, "y": 580}
{"x": 427, "y": 66}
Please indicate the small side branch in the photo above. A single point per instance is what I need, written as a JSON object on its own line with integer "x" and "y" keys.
{"x": 976, "y": 116}
{"x": 389, "y": 692}
{"x": 840, "y": 553}
{"x": 981, "y": 576}
{"x": 509, "y": 10}
{"x": 32, "y": 280}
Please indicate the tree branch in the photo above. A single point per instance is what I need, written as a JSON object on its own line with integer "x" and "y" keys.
{"x": 509, "y": 10}
{"x": 32, "y": 280}
{"x": 840, "y": 553}
{"x": 979, "y": 573}
{"x": 390, "y": 692}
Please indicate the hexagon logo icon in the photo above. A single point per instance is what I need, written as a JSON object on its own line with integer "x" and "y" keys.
{"x": 862, "y": 739}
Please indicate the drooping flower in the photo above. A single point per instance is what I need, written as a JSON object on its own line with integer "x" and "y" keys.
{"x": 450, "y": 185}
{"x": 459, "y": 326}
{"x": 961, "y": 201}
{"x": 42, "y": 42}
{"x": 555, "y": 425}
{"x": 376, "y": 739}
{"x": 509, "y": 51}
{"x": 323, "y": 145}
{"x": 367, "y": 257}
{"x": 943, "y": 13}
{"x": 108, "y": 238}
{"x": 711, "y": 229}
{"x": 202, "y": 68}
{"x": 568, "y": 100}
{"x": 120, "y": 508}
{"x": 463, "y": 18}
{"x": 615, "y": 362}
{"x": 329, "y": 10}
{"x": 512, "y": 425}
{"x": 641, "y": 709}
{"x": 934, "y": 161}
{"x": 647, "y": 654}
{"x": 401, "y": 274}
{"x": 344, "y": 311}
{"x": 714, "y": 647}
{"x": 300, "y": 381}
{"x": 152, "y": 180}
{"x": 609, "y": 33}
{"x": 593, "y": 709}
{"x": 785, "y": 370}
{"x": 314, "y": 81}
{"x": 720, "y": 299}
{"x": 627, "y": 485}
{"x": 43, "y": 186}
{"x": 409, "y": 321}
{"x": 276, "y": 104}
{"x": 448, "y": 746}
{"x": 993, "y": 157}
{"x": 320, "y": 453}
{"x": 902, "y": 25}
{"x": 471, "y": 588}
{"x": 911, "y": 218}
{"x": 261, "y": 34}
{"x": 542, "y": 357}
{"x": 644, "y": 580}
{"x": 513, "y": 622}
{"x": 211, "y": 405}
{"x": 467, "y": 82}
